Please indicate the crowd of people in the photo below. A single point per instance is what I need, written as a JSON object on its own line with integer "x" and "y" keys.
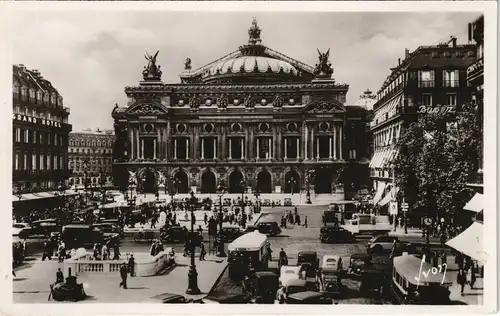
{"x": 292, "y": 219}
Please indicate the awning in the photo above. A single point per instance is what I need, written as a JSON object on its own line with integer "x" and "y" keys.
{"x": 43, "y": 195}
{"x": 389, "y": 196}
{"x": 470, "y": 242}
{"x": 380, "y": 191}
{"x": 372, "y": 162}
{"x": 475, "y": 204}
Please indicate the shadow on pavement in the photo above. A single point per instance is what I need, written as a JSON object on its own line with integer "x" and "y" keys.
{"x": 137, "y": 288}
{"x": 19, "y": 279}
{"x": 458, "y": 303}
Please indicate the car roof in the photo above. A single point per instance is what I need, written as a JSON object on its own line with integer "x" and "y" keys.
{"x": 305, "y": 295}
{"x": 166, "y": 296}
{"x": 265, "y": 274}
{"x": 360, "y": 256}
{"x": 77, "y": 226}
{"x": 308, "y": 253}
{"x": 45, "y": 220}
{"x": 295, "y": 282}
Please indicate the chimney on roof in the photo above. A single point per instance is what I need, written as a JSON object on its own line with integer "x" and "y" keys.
{"x": 399, "y": 61}
{"x": 407, "y": 53}
{"x": 36, "y": 72}
{"x": 22, "y": 66}
{"x": 452, "y": 41}
{"x": 469, "y": 29}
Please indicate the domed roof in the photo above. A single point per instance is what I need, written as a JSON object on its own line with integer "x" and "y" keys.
{"x": 249, "y": 64}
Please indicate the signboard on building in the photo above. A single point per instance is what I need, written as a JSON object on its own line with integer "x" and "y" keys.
{"x": 393, "y": 208}
{"x": 34, "y": 120}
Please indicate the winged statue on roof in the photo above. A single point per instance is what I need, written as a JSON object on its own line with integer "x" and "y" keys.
{"x": 323, "y": 67}
{"x": 151, "y": 71}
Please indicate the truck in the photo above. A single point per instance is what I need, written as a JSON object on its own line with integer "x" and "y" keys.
{"x": 368, "y": 223}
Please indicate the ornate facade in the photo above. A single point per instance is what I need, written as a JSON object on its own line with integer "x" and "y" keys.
{"x": 90, "y": 158}
{"x": 254, "y": 119}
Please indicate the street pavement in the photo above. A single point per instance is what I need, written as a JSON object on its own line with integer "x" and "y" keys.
{"x": 33, "y": 279}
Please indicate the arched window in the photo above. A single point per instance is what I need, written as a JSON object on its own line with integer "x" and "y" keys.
{"x": 98, "y": 143}
{"x": 46, "y": 98}
{"x": 39, "y": 97}
{"x": 32, "y": 94}
{"x": 88, "y": 143}
{"x": 15, "y": 89}
{"x": 53, "y": 99}
{"x": 60, "y": 101}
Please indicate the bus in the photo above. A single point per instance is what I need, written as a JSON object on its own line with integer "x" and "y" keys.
{"x": 415, "y": 282}
{"x": 368, "y": 223}
{"x": 246, "y": 254}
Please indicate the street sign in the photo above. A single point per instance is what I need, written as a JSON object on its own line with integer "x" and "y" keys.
{"x": 393, "y": 208}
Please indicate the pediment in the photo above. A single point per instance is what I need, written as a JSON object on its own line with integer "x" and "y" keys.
{"x": 325, "y": 106}
{"x": 147, "y": 109}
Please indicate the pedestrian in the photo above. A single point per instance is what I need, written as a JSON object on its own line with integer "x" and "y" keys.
{"x": 47, "y": 250}
{"x": 152, "y": 250}
{"x": 131, "y": 265}
{"x": 186, "y": 248}
{"x": 105, "y": 252}
{"x": 442, "y": 238}
{"x": 116, "y": 251}
{"x": 61, "y": 251}
{"x": 443, "y": 258}
{"x": 305, "y": 222}
{"x": 59, "y": 276}
{"x": 123, "y": 275}
{"x": 461, "y": 280}
{"x": 25, "y": 248}
{"x": 460, "y": 261}
{"x": 200, "y": 230}
{"x": 205, "y": 218}
{"x": 203, "y": 252}
{"x": 269, "y": 252}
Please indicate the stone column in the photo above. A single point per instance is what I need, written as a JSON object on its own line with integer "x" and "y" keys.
{"x": 196, "y": 142}
{"x": 154, "y": 148}
{"x": 142, "y": 148}
{"x": 279, "y": 154}
{"x": 168, "y": 139}
{"x": 311, "y": 147}
{"x": 138, "y": 142}
{"x": 223, "y": 150}
{"x": 270, "y": 148}
{"x": 131, "y": 143}
{"x": 242, "y": 141}
{"x": 335, "y": 142}
{"x": 317, "y": 149}
{"x": 229, "y": 151}
{"x": 175, "y": 148}
{"x": 215, "y": 147}
{"x": 330, "y": 147}
{"x": 251, "y": 141}
{"x": 258, "y": 149}
{"x": 158, "y": 143}
{"x": 188, "y": 143}
{"x": 340, "y": 143}
{"x": 202, "y": 148}
{"x": 306, "y": 142}
{"x": 247, "y": 142}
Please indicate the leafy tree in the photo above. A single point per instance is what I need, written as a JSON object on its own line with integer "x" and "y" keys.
{"x": 437, "y": 154}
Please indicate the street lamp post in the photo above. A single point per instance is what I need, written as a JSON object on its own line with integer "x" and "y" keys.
{"x": 243, "y": 186}
{"x": 220, "y": 251}
{"x": 102, "y": 181}
{"x": 144, "y": 185}
{"x": 192, "y": 274}
{"x": 309, "y": 176}
{"x": 257, "y": 202}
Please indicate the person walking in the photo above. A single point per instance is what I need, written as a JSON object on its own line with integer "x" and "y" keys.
{"x": 123, "y": 275}
{"x": 131, "y": 265}
{"x": 203, "y": 252}
{"x": 305, "y": 222}
{"x": 461, "y": 280}
{"x": 59, "y": 276}
{"x": 105, "y": 252}
{"x": 116, "y": 251}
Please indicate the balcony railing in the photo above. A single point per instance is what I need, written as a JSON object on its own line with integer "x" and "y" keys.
{"x": 450, "y": 83}
{"x": 426, "y": 84}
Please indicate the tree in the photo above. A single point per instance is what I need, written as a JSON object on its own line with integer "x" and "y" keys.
{"x": 437, "y": 154}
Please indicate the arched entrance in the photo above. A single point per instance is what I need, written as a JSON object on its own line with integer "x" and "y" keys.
{"x": 323, "y": 181}
{"x": 181, "y": 183}
{"x": 235, "y": 179}
{"x": 292, "y": 182}
{"x": 208, "y": 182}
{"x": 148, "y": 181}
{"x": 264, "y": 182}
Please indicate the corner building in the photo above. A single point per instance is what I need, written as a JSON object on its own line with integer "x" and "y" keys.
{"x": 254, "y": 119}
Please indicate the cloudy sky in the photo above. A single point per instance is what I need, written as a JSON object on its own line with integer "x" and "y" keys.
{"x": 90, "y": 56}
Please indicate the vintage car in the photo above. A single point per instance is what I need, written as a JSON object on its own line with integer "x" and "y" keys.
{"x": 270, "y": 228}
{"x": 169, "y": 298}
{"x": 17, "y": 227}
{"x": 263, "y": 287}
{"x": 330, "y": 282}
{"x": 308, "y": 297}
{"x": 266, "y": 202}
{"x": 226, "y": 202}
{"x": 375, "y": 279}
{"x": 287, "y": 202}
{"x": 330, "y": 234}
{"x": 84, "y": 236}
{"x": 331, "y": 262}
{"x": 289, "y": 272}
{"x": 250, "y": 228}
{"x": 40, "y": 228}
{"x": 289, "y": 287}
{"x": 231, "y": 232}
{"x": 178, "y": 234}
{"x": 357, "y": 263}
{"x": 384, "y": 243}
{"x": 310, "y": 257}
{"x": 109, "y": 229}
{"x": 277, "y": 202}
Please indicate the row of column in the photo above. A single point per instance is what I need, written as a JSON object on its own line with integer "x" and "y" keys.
{"x": 163, "y": 139}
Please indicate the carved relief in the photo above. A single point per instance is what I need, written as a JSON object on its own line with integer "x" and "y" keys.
{"x": 147, "y": 109}
{"x": 278, "y": 101}
{"x": 194, "y": 103}
{"x": 249, "y": 103}
{"x": 222, "y": 103}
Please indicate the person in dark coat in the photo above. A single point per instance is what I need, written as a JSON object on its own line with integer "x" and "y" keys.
{"x": 123, "y": 275}
{"x": 203, "y": 252}
{"x": 461, "y": 279}
{"x": 131, "y": 265}
{"x": 59, "y": 276}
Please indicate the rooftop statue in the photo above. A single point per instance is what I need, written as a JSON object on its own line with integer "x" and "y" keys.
{"x": 187, "y": 64}
{"x": 151, "y": 71}
{"x": 254, "y": 33}
{"x": 324, "y": 67}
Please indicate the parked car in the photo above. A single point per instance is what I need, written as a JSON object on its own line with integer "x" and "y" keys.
{"x": 266, "y": 202}
{"x": 169, "y": 298}
{"x": 77, "y": 236}
{"x": 230, "y": 233}
{"x": 383, "y": 243}
{"x": 289, "y": 272}
{"x": 357, "y": 263}
{"x": 109, "y": 229}
{"x": 290, "y": 286}
{"x": 287, "y": 202}
{"x": 308, "y": 297}
{"x": 330, "y": 274}
{"x": 250, "y": 228}
{"x": 17, "y": 227}
{"x": 269, "y": 228}
{"x": 263, "y": 288}
{"x": 329, "y": 234}
{"x": 44, "y": 228}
